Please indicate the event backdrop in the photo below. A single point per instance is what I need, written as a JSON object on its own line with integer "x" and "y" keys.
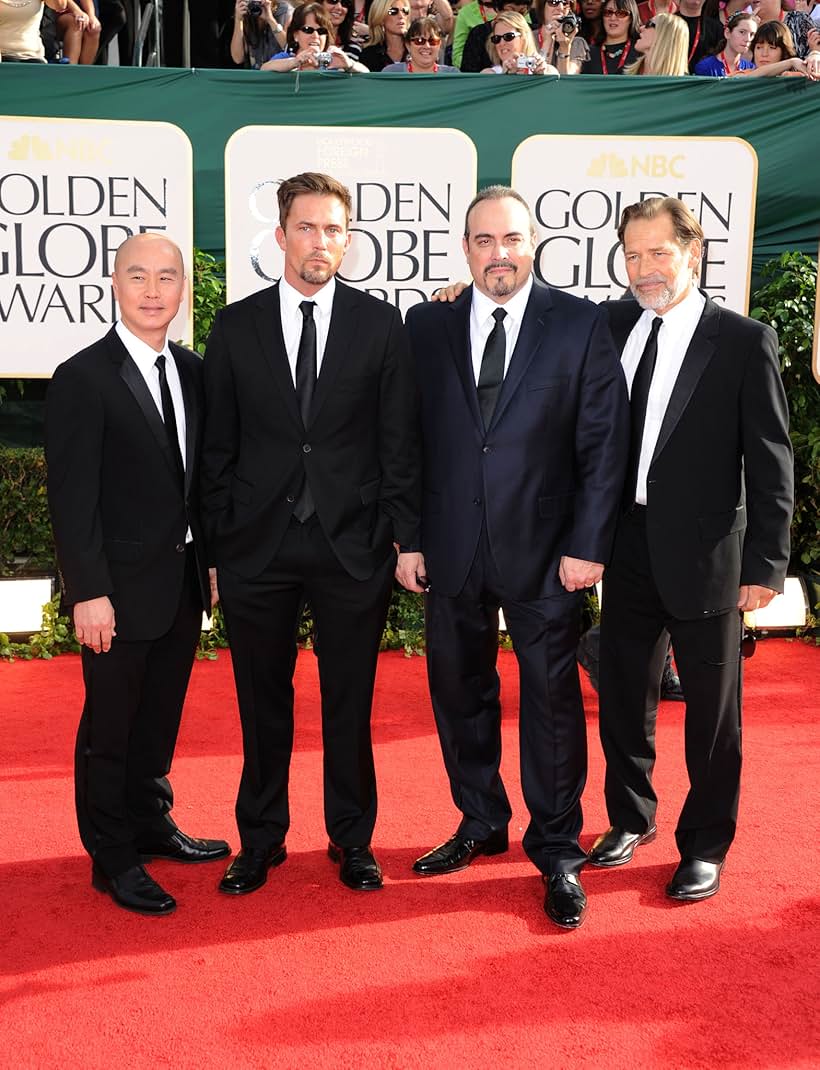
{"x": 775, "y": 116}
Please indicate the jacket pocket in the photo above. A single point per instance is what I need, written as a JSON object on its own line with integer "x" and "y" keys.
{"x": 370, "y": 491}
{"x": 560, "y": 382}
{"x": 122, "y": 550}
{"x": 718, "y": 525}
{"x": 556, "y": 505}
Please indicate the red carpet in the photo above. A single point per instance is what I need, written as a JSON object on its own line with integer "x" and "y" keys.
{"x": 458, "y": 972}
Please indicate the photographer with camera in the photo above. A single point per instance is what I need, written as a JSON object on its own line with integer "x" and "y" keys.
{"x": 309, "y": 31}
{"x": 259, "y": 31}
{"x": 474, "y": 55}
{"x": 512, "y": 48}
{"x": 558, "y": 37}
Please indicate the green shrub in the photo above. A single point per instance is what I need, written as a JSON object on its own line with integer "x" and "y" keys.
{"x": 26, "y": 542}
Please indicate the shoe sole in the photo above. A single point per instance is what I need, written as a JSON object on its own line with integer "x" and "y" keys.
{"x": 648, "y": 838}
{"x": 105, "y": 890}
{"x": 466, "y": 865}
{"x": 277, "y": 861}
{"x": 694, "y": 897}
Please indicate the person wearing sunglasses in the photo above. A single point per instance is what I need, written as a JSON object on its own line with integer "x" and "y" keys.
{"x": 740, "y": 29}
{"x": 614, "y": 49}
{"x": 388, "y": 21}
{"x": 557, "y": 35}
{"x": 341, "y": 15}
{"x": 308, "y": 35}
{"x": 474, "y": 55}
{"x": 256, "y": 38}
{"x": 662, "y": 48}
{"x": 423, "y": 43}
{"x": 512, "y": 48}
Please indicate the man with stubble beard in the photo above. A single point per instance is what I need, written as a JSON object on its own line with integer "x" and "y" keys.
{"x": 524, "y": 428}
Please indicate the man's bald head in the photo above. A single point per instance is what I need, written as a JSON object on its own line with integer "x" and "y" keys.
{"x": 129, "y": 251}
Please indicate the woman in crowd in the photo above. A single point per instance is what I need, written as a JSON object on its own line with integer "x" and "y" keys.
{"x": 774, "y": 53}
{"x": 341, "y": 14}
{"x": 557, "y": 35}
{"x": 740, "y": 29}
{"x": 592, "y": 20}
{"x": 662, "y": 47}
{"x": 614, "y": 50}
{"x": 79, "y": 30}
{"x": 20, "y": 40}
{"x": 805, "y": 35}
{"x": 308, "y": 35}
{"x": 512, "y": 48}
{"x": 258, "y": 35}
{"x": 388, "y": 21}
{"x": 423, "y": 41}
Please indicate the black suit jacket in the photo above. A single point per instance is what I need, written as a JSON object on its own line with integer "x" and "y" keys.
{"x": 720, "y": 485}
{"x": 360, "y": 451}
{"x": 548, "y": 472}
{"x": 118, "y": 512}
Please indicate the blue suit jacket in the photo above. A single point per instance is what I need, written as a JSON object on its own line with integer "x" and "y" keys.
{"x": 548, "y": 472}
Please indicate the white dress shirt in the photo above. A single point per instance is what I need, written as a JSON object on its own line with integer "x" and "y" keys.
{"x": 145, "y": 359}
{"x": 482, "y": 323}
{"x": 292, "y": 320}
{"x": 679, "y": 325}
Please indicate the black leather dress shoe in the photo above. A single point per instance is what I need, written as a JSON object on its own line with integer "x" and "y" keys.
{"x": 182, "y": 848}
{"x": 134, "y": 890}
{"x": 358, "y": 868}
{"x": 458, "y": 852}
{"x": 694, "y": 879}
{"x": 616, "y": 846}
{"x": 249, "y": 870}
{"x": 565, "y": 902}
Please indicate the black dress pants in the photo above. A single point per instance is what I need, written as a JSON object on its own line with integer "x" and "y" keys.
{"x": 462, "y": 650}
{"x": 134, "y": 696}
{"x": 262, "y": 615}
{"x": 635, "y": 630}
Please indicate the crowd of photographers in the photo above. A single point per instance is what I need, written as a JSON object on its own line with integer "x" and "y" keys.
{"x": 716, "y": 38}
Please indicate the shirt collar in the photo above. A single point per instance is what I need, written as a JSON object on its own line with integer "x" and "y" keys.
{"x": 140, "y": 352}
{"x": 484, "y": 306}
{"x": 682, "y": 315}
{"x": 290, "y": 298}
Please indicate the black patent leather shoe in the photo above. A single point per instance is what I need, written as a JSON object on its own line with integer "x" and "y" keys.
{"x": 249, "y": 870}
{"x": 358, "y": 868}
{"x": 616, "y": 846}
{"x": 694, "y": 879}
{"x": 182, "y": 848}
{"x": 134, "y": 890}
{"x": 458, "y": 852}
{"x": 565, "y": 902}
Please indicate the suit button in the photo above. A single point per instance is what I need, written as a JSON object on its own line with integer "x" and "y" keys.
{"x": 476, "y": 501}
{"x": 486, "y": 449}
{"x": 306, "y": 448}
{"x": 180, "y": 548}
{"x": 291, "y": 498}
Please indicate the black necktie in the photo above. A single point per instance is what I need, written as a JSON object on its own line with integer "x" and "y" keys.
{"x": 169, "y": 417}
{"x": 491, "y": 375}
{"x": 305, "y": 385}
{"x": 637, "y": 406}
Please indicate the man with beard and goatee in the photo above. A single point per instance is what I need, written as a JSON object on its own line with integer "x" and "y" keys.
{"x": 525, "y": 436}
{"x": 703, "y": 537}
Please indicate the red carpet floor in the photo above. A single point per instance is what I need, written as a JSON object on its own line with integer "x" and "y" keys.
{"x": 463, "y": 971}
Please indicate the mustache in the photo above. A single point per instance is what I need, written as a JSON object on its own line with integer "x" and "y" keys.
{"x": 499, "y": 264}
{"x": 650, "y": 280}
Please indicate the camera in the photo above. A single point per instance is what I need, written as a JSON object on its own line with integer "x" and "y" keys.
{"x": 324, "y": 60}
{"x": 254, "y": 8}
{"x": 526, "y": 63}
{"x": 569, "y": 23}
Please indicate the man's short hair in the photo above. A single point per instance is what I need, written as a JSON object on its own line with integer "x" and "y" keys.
{"x": 311, "y": 182}
{"x": 687, "y": 229}
{"x": 497, "y": 193}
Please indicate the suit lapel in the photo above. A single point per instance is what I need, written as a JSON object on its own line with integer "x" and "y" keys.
{"x": 700, "y": 352}
{"x": 458, "y": 331}
{"x": 132, "y": 377}
{"x": 534, "y": 332}
{"x": 191, "y": 416}
{"x": 344, "y": 323}
{"x": 268, "y": 324}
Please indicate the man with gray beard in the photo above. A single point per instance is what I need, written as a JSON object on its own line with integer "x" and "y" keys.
{"x": 703, "y": 536}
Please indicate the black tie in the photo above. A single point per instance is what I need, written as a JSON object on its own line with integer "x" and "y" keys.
{"x": 637, "y": 407}
{"x": 169, "y": 417}
{"x": 305, "y": 385}
{"x": 491, "y": 375}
